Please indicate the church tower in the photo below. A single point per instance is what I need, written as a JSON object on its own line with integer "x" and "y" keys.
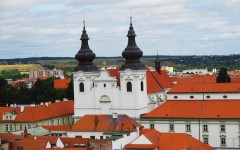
{"x": 134, "y": 100}
{"x": 83, "y": 77}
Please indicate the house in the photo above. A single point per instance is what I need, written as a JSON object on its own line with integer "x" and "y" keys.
{"x": 214, "y": 122}
{"x": 15, "y": 118}
{"x": 193, "y": 79}
{"x": 205, "y": 91}
{"x": 152, "y": 139}
{"x": 119, "y": 129}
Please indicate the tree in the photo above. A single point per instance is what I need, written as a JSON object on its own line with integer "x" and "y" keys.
{"x": 70, "y": 90}
{"x": 222, "y": 76}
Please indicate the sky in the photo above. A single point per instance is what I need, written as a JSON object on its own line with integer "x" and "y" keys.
{"x": 38, "y": 28}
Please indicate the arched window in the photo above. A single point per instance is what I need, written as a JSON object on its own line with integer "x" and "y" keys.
{"x": 104, "y": 85}
{"x": 129, "y": 87}
{"x": 81, "y": 87}
{"x": 141, "y": 85}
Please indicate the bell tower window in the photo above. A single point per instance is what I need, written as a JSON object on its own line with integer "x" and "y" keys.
{"x": 81, "y": 87}
{"x": 129, "y": 87}
{"x": 141, "y": 85}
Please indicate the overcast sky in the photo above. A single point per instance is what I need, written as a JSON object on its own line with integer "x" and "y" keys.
{"x": 36, "y": 28}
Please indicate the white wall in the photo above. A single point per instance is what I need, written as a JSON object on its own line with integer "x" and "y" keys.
{"x": 200, "y": 96}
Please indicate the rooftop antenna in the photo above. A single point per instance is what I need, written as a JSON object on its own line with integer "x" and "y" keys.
{"x": 83, "y": 20}
{"x": 131, "y": 16}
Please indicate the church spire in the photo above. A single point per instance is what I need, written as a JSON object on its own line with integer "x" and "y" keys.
{"x": 85, "y": 55}
{"x": 132, "y": 53}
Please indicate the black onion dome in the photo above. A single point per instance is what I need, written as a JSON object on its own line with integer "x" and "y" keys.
{"x": 85, "y": 55}
{"x": 132, "y": 53}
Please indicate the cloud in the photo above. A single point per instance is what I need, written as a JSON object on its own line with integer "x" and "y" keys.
{"x": 174, "y": 27}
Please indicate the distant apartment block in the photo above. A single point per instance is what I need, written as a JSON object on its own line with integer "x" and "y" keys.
{"x": 57, "y": 73}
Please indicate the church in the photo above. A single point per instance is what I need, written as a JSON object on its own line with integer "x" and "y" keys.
{"x": 133, "y": 89}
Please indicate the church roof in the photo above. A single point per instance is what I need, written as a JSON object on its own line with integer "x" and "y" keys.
{"x": 132, "y": 53}
{"x": 85, "y": 55}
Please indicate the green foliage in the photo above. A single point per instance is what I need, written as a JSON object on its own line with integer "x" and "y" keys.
{"x": 70, "y": 91}
{"x": 12, "y": 74}
{"x": 222, "y": 76}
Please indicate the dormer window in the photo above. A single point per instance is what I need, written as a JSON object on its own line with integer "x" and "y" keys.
{"x": 6, "y": 117}
{"x": 129, "y": 87}
{"x": 81, "y": 87}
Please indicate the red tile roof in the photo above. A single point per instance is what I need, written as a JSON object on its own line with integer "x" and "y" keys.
{"x": 206, "y": 88}
{"x": 194, "y": 79}
{"x": 115, "y": 73}
{"x": 66, "y": 149}
{"x": 10, "y": 137}
{"x": 41, "y": 112}
{"x": 61, "y": 83}
{"x": 162, "y": 141}
{"x": 4, "y": 110}
{"x": 235, "y": 79}
{"x": 104, "y": 123}
{"x": 30, "y": 144}
{"x": 58, "y": 128}
{"x": 51, "y": 139}
{"x": 209, "y": 109}
{"x": 71, "y": 141}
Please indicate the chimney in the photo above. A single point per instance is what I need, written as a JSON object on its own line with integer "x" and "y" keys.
{"x": 21, "y": 108}
{"x": 11, "y": 105}
{"x": 14, "y": 105}
{"x": 32, "y": 105}
{"x": 46, "y": 103}
{"x": 65, "y": 99}
{"x": 114, "y": 115}
{"x": 41, "y": 103}
{"x": 56, "y": 101}
{"x": 25, "y": 132}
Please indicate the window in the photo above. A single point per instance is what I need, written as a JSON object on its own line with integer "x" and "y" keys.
{"x": 29, "y": 126}
{"x": 10, "y": 127}
{"x": 78, "y": 136}
{"x": 104, "y": 85}
{"x": 205, "y": 140}
{"x": 151, "y": 126}
{"x": 222, "y": 128}
{"x": 188, "y": 127}
{"x": 224, "y": 96}
{"x": 191, "y": 97}
{"x": 68, "y": 120}
{"x": 223, "y": 141}
{"x": 141, "y": 85}
{"x": 92, "y": 137}
{"x": 205, "y": 128}
{"x": 101, "y": 137}
{"x": 171, "y": 127}
{"x": 63, "y": 120}
{"x": 10, "y": 117}
{"x": 6, "y": 127}
{"x": 208, "y": 96}
{"x": 58, "y": 121}
{"x": 129, "y": 87}
{"x": 175, "y": 97}
{"x": 20, "y": 127}
{"x": 81, "y": 87}
{"x": 52, "y": 123}
{"x": 6, "y": 117}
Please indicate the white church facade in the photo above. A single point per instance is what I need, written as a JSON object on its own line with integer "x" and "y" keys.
{"x": 96, "y": 92}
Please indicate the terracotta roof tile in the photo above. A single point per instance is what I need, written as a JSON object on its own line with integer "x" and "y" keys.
{"x": 51, "y": 139}
{"x": 71, "y": 141}
{"x": 41, "y": 112}
{"x": 115, "y": 73}
{"x": 10, "y": 137}
{"x": 211, "y": 109}
{"x": 122, "y": 123}
{"x": 206, "y": 88}
{"x": 30, "y": 144}
{"x": 61, "y": 83}
{"x": 161, "y": 141}
{"x": 194, "y": 79}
